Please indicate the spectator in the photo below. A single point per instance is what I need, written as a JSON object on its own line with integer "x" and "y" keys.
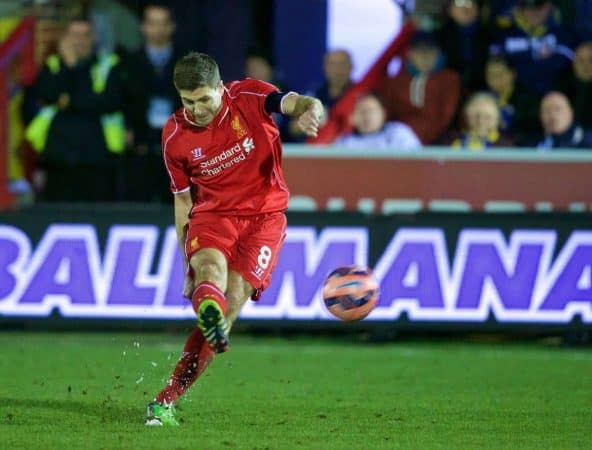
{"x": 519, "y": 110}
{"x": 464, "y": 42}
{"x": 152, "y": 100}
{"x": 259, "y": 66}
{"x": 338, "y": 70}
{"x": 337, "y": 67}
{"x": 536, "y": 45}
{"x": 372, "y": 131}
{"x": 578, "y": 86}
{"x": 482, "y": 116}
{"x": 80, "y": 131}
{"x": 560, "y": 129}
{"x": 116, "y": 28}
{"x": 423, "y": 94}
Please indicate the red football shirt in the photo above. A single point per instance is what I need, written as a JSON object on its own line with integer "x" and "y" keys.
{"x": 235, "y": 162}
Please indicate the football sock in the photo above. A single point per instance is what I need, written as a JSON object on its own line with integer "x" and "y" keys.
{"x": 196, "y": 357}
{"x": 209, "y": 290}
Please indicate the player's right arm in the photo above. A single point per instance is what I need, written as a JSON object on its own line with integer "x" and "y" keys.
{"x": 183, "y": 204}
{"x": 180, "y": 187}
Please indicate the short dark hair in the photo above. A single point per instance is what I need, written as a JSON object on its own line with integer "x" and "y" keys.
{"x": 195, "y": 70}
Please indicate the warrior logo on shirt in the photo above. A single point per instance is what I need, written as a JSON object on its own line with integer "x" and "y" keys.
{"x": 238, "y": 127}
{"x": 196, "y": 152}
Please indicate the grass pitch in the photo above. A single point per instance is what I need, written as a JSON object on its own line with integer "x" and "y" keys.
{"x": 85, "y": 391}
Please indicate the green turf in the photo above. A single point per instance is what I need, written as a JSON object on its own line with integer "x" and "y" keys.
{"x": 90, "y": 390}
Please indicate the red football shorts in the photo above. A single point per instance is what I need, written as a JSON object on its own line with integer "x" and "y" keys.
{"x": 251, "y": 244}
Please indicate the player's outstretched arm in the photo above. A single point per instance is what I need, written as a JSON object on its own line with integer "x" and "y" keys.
{"x": 308, "y": 110}
{"x": 183, "y": 205}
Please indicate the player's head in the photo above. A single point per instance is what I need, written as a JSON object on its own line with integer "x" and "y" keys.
{"x": 556, "y": 113}
{"x": 197, "y": 79}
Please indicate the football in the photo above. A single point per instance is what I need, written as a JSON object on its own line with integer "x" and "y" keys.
{"x": 350, "y": 292}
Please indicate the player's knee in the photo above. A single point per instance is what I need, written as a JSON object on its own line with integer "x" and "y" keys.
{"x": 208, "y": 271}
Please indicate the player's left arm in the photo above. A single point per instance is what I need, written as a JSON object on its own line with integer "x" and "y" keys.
{"x": 308, "y": 110}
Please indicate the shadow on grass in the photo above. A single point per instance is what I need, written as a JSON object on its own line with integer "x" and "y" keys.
{"x": 26, "y": 411}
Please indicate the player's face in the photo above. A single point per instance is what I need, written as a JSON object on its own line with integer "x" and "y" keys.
{"x": 203, "y": 103}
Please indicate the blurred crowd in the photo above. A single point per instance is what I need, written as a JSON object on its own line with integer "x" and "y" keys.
{"x": 506, "y": 73}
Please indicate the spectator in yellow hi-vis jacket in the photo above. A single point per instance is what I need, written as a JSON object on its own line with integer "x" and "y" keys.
{"x": 79, "y": 130}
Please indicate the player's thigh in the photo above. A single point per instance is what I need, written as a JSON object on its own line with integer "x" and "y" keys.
{"x": 210, "y": 242}
{"x": 238, "y": 292}
{"x": 259, "y": 246}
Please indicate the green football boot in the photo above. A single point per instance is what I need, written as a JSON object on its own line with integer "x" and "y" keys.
{"x": 161, "y": 414}
{"x": 213, "y": 325}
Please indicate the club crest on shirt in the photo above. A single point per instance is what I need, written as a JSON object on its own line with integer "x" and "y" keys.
{"x": 238, "y": 128}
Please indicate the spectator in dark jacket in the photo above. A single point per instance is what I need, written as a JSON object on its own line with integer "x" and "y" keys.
{"x": 80, "y": 131}
{"x": 519, "y": 109}
{"x": 578, "y": 86}
{"x": 535, "y": 43}
{"x": 152, "y": 100}
{"x": 464, "y": 42}
{"x": 560, "y": 129}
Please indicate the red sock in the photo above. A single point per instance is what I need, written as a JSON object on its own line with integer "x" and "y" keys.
{"x": 196, "y": 356}
{"x": 206, "y": 289}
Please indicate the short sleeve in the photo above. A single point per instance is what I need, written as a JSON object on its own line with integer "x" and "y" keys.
{"x": 256, "y": 90}
{"x": 175, "y": 166}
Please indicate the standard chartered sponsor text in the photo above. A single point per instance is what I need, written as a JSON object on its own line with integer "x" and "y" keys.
{"x": 222, "y": 161}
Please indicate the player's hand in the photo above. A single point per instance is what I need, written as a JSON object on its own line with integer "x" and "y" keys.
{"x": 188, "y": 286}
{"x": 310, "y": 120}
